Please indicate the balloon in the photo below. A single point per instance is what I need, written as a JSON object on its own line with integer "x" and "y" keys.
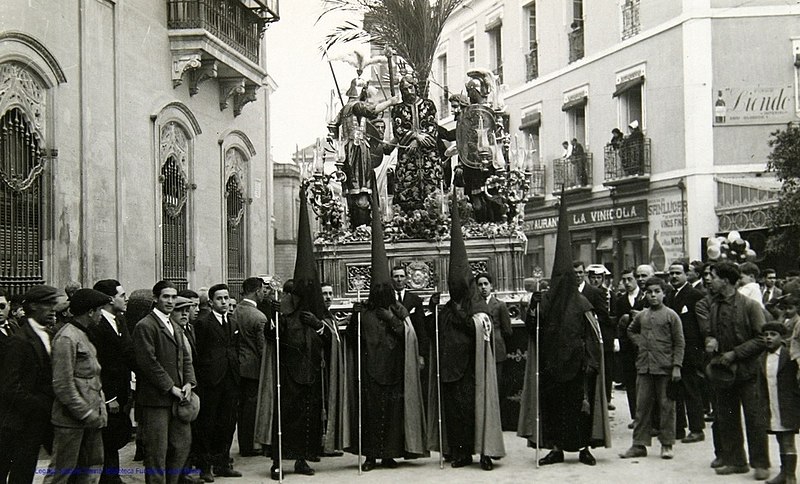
{"x": 712, "y": 241}
{"x": 713, "y": 252}
{"x": 733, "y": 235}
{"x": 751, "y": 254}
{"x": 722, "y": 240}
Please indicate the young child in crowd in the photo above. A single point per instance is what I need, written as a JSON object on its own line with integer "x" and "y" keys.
{"x": 783, "y": 392}
{"x": 658, "y": 333}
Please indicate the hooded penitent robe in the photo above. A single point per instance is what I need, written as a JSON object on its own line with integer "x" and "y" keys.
{"x": 571, "y": 369}
{"x": 301, "y": 353}
{"x": 393, "y": 416}
{"x": 470, "y": 402}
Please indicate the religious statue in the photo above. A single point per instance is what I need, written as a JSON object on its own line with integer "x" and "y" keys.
{"x": 419, "y": 167}
{"x": 360, "y": 131}
{"x": 480, "y": 138}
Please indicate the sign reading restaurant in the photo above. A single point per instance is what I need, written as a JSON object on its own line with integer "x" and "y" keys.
{"x": 620, "y": 213}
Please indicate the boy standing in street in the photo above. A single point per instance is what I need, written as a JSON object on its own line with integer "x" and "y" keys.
{"x": 658, "y": 333}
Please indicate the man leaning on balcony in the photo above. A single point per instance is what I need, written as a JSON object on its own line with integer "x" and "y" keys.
{"x": 632, "y": 150}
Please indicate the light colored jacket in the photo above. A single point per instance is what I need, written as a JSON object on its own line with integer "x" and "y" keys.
{"x": 76, "y": 379}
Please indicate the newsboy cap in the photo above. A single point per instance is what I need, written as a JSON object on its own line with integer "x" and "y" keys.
{"x": 182, "y": 302}
{"x": 84, "y": 300}
{"x": 775, "y": 326}
{"x": 41, "y": 294}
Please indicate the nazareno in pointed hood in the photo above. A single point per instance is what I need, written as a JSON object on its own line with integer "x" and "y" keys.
{"x": 460, "y": 279}
{"x": 563, "y": 283}
{"x": 307, "y": 285}
{"x": 381, "y": 293}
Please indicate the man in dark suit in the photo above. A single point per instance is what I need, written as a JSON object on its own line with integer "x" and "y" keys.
{"x": 165, "y": 376}
{"x": 770, "y": 291}
{"x": 602, "y": 302}
{"x": 683, "y": 300}
{"x": 627, "y": 306}
{"x": 217, "y": 369}
{"x": 26, "y": 390}
{"x": 117, "y": 359}
{"x": 251, "y": 323}
{"x": 500, "y": 320}
{"x": 413, "y": 304}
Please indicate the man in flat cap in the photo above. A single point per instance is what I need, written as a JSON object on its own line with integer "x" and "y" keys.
{"x": 26, "y": 389}
{"x": 79, "y": 410}
{"x": 114, "y": 347}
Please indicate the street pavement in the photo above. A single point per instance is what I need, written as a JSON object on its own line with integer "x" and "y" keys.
{"x": 690, "y": 465}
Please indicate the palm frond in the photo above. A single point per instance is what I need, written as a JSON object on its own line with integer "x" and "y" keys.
{"x": 410, "y": 27}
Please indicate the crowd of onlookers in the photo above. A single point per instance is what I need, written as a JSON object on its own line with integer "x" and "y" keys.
{"x": 704, "y": 342}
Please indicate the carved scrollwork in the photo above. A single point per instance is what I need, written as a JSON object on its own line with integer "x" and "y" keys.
{"x": 420, "y": 275}
{"x": 206, "y": 71}
{"x": 182, "y": 63}
{"x": 358, "y": 277}
{"x": 228, "y": 88}
{"x": 240, "y": 99}
{"x": 19, "y": 87}
{"x": 173, "y": 154}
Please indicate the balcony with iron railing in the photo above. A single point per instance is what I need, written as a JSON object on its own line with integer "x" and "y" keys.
{"x": 576, "y": 44}
{"x": 219, "y": 39}
{"x": 532, "y": 63}
{"x": 537, "y": 183}
{"x": 627, "y": 163}
{"x": 630, "y": 19}
{"x": 573, "y": 173}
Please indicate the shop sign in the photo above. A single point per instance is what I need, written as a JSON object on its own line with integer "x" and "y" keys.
{"x": 753, "y": 105}
{"x": 620, "y": 213}
{"x": 667, "y": 218}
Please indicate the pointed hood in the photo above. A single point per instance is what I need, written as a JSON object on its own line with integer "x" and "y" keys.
{"x": 459, "y": 276}
{"x": 460, "y": 280}
{"x": 563, "y": 284}
{"x": 381, "y": 293}
{"x": 379, "y": 272}
{"x": 307, "y": 286}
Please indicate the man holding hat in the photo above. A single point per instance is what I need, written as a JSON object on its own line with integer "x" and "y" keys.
{"x": 733, "y": 330}
{"x": 26, "y": 389}
{"x": 79, "y": 410}
{"x": 600, "y": 297}
{"x": 166, "y": 376}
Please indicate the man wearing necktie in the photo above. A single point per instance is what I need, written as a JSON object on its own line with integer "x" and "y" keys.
{"x": 413, "y": 304}
{"x": 217, "y": 340}
{"x": 501, "y": 321}
{"x": 770, "y": 291}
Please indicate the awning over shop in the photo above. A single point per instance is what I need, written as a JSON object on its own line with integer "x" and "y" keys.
{"x": 743, "y": 201}
{"x": 627, "y": 85}
{"x": 575, "y": 103}
{"x": 531, "y": 120}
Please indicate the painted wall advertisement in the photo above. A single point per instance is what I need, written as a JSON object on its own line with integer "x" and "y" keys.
{"x": 666, "y": 216}
{"x": 753, "y": 105}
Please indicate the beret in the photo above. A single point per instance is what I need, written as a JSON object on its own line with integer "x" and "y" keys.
{"x": 84, "y": 300}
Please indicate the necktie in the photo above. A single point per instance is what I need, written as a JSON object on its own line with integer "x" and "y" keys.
{"x": 766, "y": 297}
{"x": 399, "y": 296}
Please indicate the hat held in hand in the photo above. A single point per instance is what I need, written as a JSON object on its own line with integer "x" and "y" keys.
{"x": 187, "y": 409}
{"x": 719, "y": 374}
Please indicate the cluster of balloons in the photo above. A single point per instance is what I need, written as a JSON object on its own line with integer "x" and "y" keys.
{"x": 732, "y": 248}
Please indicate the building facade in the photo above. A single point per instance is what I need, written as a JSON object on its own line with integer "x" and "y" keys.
{"x": 135, "y": 142}
{"x": 706, "y": 81}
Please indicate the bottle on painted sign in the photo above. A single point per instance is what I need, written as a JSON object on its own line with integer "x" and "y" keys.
{"x": 720, "y": 110}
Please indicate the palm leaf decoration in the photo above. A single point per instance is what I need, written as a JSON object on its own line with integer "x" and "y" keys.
{"x": 410, "y": 27}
